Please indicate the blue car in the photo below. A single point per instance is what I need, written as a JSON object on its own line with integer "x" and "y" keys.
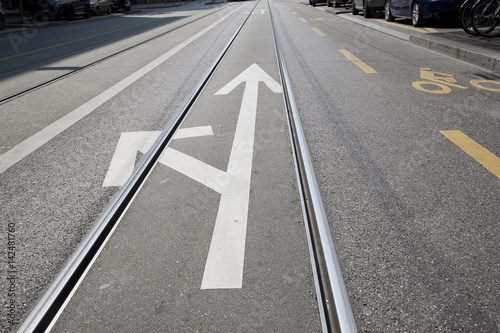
{"x": 418, "y": 10}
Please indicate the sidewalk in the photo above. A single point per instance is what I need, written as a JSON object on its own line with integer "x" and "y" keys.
{"x": 449, "y": 40}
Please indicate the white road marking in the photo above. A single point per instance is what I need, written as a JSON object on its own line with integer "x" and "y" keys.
{"x": 37, "y": 140}
{"x": 123, "y": 160}
{"x": 224, "y": 267}
{"x": 195, "y": 169}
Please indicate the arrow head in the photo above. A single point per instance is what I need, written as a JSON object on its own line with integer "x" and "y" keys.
{"x": 253, "y": 73}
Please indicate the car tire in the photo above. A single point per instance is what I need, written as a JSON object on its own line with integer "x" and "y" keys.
{"x": 97, "y": 11}
{"x": 416, "y": 14}
{"x": 366, "y": 11}
{"x": 109, "y": 10}
{"x": 70, "y": 13}
{"x": 354, "y": 10}
{"x": 40, "y": 16}
{"x": 87, "y": 12}
{"x": 387, "y": 12}
{"x": 2, "y": 22}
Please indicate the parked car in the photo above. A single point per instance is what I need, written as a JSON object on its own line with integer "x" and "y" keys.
{"x": 100, "y": 6}
{"x": 418, "y": 10}
{"x": 329, "y": 3}
{"x": 366, "y": 6}
{"x": 43, "y": 9}
{"x": 336, "y": 3}
{"x": 2, "y": 16}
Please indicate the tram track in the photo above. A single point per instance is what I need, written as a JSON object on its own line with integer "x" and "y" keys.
{"x": 335, "y": 310}
{"x": 334, "y": 305}
{"x": 52, "y": 303}
{"x": 25, "y": 91}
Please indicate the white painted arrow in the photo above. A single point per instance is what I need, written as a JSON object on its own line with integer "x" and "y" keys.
{"x": 224, "y": 267}
{"x": 123, "y": 161}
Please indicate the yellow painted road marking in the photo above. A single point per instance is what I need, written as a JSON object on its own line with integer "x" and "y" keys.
{"x": 367, "y": 69}
{"x": 431, "y": 30}
{"x": 294, "y": 13}
{"x": 475, "y": 150}
{"x": 70, "y": 42}
{"x": 302, "y": 19}
{"x": 319, "y": 32}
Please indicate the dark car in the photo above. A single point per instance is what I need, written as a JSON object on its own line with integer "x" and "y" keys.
{"x": 43, "y": 9}
{"x": 418, "y": 10}
{"x": 2, "y": 16}
{"x": 366, "y": 6}
{"x": 329, "y": 3}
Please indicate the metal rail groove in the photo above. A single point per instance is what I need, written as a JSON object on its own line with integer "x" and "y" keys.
{"x": 52, "y": 303}
{"x": 65, "y": 75}
{"x": 335, "y": 308}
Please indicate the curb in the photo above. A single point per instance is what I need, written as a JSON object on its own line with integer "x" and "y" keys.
{"x": 487, "y": 61}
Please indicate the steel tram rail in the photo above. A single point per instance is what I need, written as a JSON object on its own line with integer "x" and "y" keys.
{"x": 335, "y": 308}
{"x": 52, "y": 303}
{"x": 74, "y": 71}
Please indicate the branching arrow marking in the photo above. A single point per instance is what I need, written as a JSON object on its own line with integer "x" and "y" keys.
{"x": 123, "y": 161}
{"x": 224, "y": 267}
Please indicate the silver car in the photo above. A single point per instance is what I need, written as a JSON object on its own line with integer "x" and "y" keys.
{"x": 97, "y": 7}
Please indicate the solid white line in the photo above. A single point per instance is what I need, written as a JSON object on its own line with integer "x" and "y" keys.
{"x": 37, "y": 140}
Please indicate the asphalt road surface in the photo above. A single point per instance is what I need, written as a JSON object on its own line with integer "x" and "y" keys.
{"x": 404, "y": 142}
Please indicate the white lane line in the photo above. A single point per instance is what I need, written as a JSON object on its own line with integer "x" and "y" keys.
{"x": 37, "y": 140}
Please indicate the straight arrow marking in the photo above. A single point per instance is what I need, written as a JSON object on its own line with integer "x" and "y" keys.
{"x": 224, "y": 266}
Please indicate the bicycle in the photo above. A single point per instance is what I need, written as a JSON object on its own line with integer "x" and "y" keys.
{"x": 486, "y": 18}
{"x": 465, "y": 16}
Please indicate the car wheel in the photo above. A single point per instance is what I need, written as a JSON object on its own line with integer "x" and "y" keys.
{"x": 354, "y": 10}
{"x": 40, "y": 16}
{"x": 387, "y": 12}
{"x": 2, "y": 22}
{"x": 97, "y": 12}
{"x": 336, "y": 4}
{"x": 70, "y": 13}
{"x": 416, "y": 15}
{"x": 366, "y": 11}
{"x": 109, "y": 10}
{"x": 87, "y": 12}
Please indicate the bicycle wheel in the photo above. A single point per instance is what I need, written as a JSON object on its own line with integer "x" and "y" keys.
{"x": 485, "y": 18}
{"x": 465, "y": 16}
